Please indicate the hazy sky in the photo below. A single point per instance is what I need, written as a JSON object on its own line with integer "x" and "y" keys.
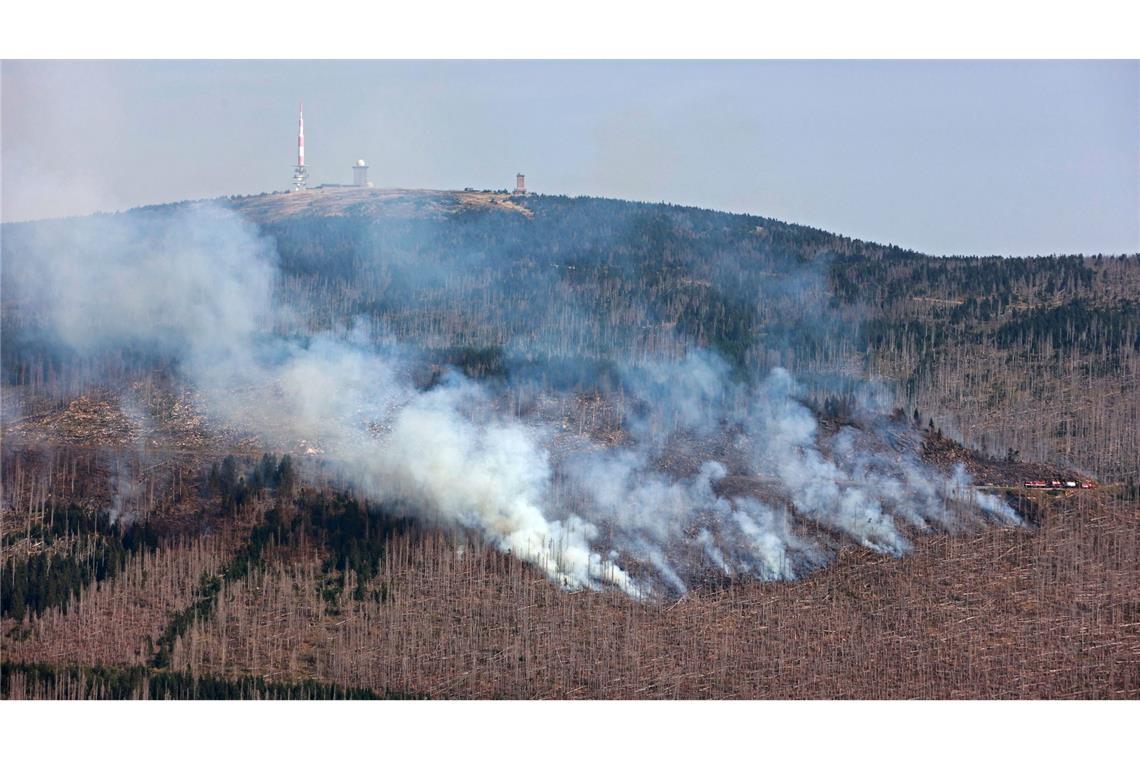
{"x": 943, "y": 157}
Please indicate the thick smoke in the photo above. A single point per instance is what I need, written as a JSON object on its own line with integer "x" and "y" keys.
{"x": 760, "y": 491}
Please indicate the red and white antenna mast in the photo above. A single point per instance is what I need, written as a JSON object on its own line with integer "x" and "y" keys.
{"x": 300, "y": 173}
{"x": 301, "y": 134}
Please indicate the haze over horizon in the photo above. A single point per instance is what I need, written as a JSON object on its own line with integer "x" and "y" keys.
{"x": 943, "y": 157}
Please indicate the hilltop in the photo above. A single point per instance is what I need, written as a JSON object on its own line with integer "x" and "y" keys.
{"x": 369, "y": 203}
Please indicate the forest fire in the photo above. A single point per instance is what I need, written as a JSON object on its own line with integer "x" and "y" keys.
{"x": 240, "y": 443}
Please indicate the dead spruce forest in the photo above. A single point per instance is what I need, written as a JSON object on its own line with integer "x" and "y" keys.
{"x": 356, "y": 444}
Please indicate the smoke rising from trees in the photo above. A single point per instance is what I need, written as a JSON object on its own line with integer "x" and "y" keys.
{"x": 199, "y": 288}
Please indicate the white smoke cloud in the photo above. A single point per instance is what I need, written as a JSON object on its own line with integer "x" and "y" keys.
{"x": 199, "y": 285}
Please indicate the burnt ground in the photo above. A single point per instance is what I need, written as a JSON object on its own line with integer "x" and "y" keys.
{"x": 986, "y": 470}
{"x": 161, "y": 422}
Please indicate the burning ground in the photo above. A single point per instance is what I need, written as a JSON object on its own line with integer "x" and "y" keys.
{"x": 657, "y": 513}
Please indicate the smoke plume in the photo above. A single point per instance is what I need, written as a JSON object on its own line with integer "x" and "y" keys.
{"x": 717, "y": 476}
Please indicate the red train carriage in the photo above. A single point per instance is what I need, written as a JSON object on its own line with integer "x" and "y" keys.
{"x": 1060, "y": 484}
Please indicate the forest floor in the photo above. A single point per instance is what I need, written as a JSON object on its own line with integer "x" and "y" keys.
{"x": 1048, "y": 611}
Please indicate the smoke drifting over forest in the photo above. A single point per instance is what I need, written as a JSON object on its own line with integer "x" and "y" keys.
{"x": 200, "y": 288}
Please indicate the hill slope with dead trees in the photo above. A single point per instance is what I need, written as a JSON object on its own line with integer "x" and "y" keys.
{"x": 761, "y": 460}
